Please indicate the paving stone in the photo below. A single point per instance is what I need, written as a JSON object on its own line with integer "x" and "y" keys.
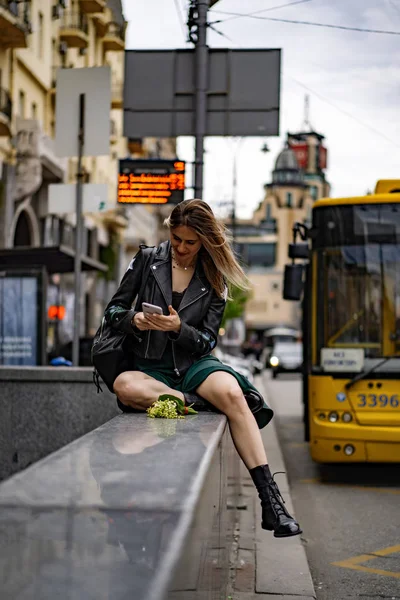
{"x": 245, "y": 571}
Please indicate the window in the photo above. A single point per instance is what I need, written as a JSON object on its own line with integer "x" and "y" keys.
{"x": 258, "y": 255}
{"x": 40, "y": 34}
{"x": 314, "y": 192}
{"x": 289, "y": 199}
{"x": 34, "y": 110}
{"x": 22, "y": 104}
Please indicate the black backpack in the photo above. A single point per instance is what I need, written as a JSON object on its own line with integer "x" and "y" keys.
{"x": 108, "y": 352}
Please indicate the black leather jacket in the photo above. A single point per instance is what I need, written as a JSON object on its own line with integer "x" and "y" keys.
{"x": 200, "y": 311}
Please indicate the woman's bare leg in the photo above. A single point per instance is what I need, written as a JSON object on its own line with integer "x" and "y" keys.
{"x": 223, "y": 391}
{"x": 139, "y": 390}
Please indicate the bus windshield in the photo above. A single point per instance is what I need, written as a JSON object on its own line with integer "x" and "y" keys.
{"x": 358, "y": 289}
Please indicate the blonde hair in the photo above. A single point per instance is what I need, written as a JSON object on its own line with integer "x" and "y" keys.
{"x": 219, "y": 262}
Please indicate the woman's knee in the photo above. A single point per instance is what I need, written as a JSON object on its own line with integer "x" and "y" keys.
{"x": 127, "y": 387}
{"x": 234, "y": 403}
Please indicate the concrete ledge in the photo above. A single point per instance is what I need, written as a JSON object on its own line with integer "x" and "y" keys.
{"x": 45, "y": 408}
{"x": 135, "y": 509}
{"x": 83, "y": 374}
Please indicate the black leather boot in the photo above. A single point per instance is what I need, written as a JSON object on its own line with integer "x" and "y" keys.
{"x": 275, "y": 517}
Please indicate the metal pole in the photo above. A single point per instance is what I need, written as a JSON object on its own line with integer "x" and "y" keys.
{"x": 78, "y": 234}
{"x": 201, "y": 57}
{"x": 238, "y": 142}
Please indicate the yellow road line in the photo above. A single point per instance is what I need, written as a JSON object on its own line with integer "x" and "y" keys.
{"x": 355, "y": 562}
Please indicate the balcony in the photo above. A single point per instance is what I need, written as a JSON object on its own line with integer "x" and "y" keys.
{"x": 74, "y": 29}
{"x": 100, "y": 23}
{"x": 5, "y": 113}
{"x": 92, "y": 6}
{"x": 15, "y": 25}
{"x": 114, "y": 38}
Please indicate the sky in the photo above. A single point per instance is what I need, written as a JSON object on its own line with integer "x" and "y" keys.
{"x": 352, "y": 79}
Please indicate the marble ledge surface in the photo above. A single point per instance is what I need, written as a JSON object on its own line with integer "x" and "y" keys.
{"x": 132, "y": 462}
{"x": 46, "y": 373}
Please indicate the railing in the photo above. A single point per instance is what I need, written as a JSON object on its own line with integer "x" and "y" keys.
{"x": 20, "y": 10}
{"x": 116, "y": 30}
{"x": 17, "y": 9}
{"x": 74, "y": 20}
{"x": 5, "y": 103}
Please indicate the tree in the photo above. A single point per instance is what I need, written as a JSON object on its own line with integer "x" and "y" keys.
{"x": 235, "y": 307}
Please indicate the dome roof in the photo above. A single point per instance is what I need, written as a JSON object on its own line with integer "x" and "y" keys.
{"x": 286, "y": 161}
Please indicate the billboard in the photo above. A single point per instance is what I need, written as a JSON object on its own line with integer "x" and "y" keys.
{"x": 22, "y": 318}
{"x": 322, "y": 157}
{"x": 301, "y": 151}
{"x": 243, "y": 92}
{"x": 95, "y": 84}
{"x": 151, "y": 181}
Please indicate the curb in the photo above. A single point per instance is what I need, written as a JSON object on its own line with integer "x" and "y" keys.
{"x": 287, "y": 571}
{"x": 266, "y": 567}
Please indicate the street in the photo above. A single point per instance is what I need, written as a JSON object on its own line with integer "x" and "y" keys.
{"x": 350, "y": 514}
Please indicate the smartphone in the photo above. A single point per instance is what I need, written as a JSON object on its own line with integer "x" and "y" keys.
{"x": 151, "y": 309}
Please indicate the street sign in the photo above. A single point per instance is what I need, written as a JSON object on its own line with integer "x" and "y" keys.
{"x": 152, "y": 181}
{"x": 95, "y": 84}
{"x": 243, "y": 95}
{"x": 62, "y": 197}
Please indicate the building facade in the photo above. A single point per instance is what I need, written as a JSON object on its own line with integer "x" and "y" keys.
{"x": 37, "y": 38}
{"x": 298, "y": 179}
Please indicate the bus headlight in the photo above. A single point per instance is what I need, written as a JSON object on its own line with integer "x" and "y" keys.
{"x": 333, "y": 417}
{"x": 274, "y": 361}
{"x": 349, "y": 449}
{"x": 347, "y": 417}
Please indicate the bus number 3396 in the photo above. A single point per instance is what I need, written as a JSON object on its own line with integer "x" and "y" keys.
{"x": 381, "y": 401}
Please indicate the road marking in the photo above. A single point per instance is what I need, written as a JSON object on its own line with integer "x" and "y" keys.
{"x": 355, "y": 563}
{"x": 362, "y": 488}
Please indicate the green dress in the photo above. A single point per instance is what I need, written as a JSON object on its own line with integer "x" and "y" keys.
{"x": 163, "y": 370}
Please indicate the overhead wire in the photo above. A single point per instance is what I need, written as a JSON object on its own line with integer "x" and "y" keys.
{"x": 312, "y": 23}
{"x": 359, "y": 121}
{"x": 318, "y": 95}
{"x": 396, "y": 8}
{"x": 239, "y": 15}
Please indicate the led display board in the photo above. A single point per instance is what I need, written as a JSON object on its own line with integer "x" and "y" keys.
{"x": 152, "y": 181}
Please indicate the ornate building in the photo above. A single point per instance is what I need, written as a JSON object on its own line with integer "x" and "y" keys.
{"x": 262, "y": 241}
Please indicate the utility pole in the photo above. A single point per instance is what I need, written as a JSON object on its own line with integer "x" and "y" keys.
{"x": 78, "y": 236}
{"x": 197, "y": 23}
{"x": 234, "y": 197}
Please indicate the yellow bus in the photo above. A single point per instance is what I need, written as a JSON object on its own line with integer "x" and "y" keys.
{"x": 349, "y": 283}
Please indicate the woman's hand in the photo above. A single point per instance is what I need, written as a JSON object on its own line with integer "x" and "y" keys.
{"x": 140, "y": 321}
{"x": 171, "y": 322}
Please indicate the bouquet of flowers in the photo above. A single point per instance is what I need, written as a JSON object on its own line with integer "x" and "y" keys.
{"x": 169, "y": 407}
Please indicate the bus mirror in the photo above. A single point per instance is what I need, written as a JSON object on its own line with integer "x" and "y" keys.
{"x": 299, "y": 250}
{"x": 293, "y": 282}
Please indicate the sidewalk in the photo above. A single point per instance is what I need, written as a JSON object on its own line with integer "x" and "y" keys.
{"x": 264, "y": 567}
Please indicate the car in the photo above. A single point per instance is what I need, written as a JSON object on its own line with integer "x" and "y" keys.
{"x": 274, "y": 335}
{"x": 286, "y": 357}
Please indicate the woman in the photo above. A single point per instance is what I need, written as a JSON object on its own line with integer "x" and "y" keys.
{"x": 171, "y": 352}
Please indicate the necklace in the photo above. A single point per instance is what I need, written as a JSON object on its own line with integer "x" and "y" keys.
{"x": 178, "y": 266}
